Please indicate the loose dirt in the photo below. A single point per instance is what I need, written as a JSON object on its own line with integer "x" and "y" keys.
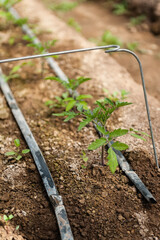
{"x": 100, "y": 205}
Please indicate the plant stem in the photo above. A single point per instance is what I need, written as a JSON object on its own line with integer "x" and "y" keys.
{"x": 102, "y": 155}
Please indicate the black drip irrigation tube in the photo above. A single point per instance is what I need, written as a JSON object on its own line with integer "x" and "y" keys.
{"x": 55, "y": 198}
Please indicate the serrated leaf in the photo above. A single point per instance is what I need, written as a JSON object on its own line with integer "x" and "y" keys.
{"x": 122, "y": 104}
{"x": 101, "y": 129}
{"x": 84, "y": 123}
{"x": 120, "y": 146}
{"x": 70, "y": 105}
{"x": 10, "y": 153}
{"x": 137, "y": 136}
{"x": 107, "y": 100}
{"x": 24, "y": 151}
{"x": 112, "y": 160}
{"x": 101, "y": 106}
{"x": 69, "y": 118}
{"x": 117, "y": 133}
{"x": 97, "y": 143}
{"x": 17, "y": 142}
{"x": 136, "y": 131}
{"x": 81, "y": 97}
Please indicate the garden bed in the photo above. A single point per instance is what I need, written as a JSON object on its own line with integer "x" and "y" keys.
{"x": 100, "y": 205}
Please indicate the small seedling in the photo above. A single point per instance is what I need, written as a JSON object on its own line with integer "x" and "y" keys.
{"x": 116, "y": 96}
{"x": 66, "y": 100}
{"x": 18, "y": 154}
{"x": 99, "y": 117}
{"x": 71, "y": 22}
{"x": 133, "y": 46}
{"x": 85, "y": 159}
{"x": 40, "y": 48}
{"x": 14, "y": 71}
{"x": 120, "y": 8}
{"x": 108, "y": 38}
{"x": 137, "y": 20}
{"x": 7, "y": 218}
{"x": 10, "y": 19}
{"x": 64, "y": 6}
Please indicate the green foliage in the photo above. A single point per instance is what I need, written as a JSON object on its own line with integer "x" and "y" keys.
{"x": 11, "y": 41}
{"x": 72, "y": 84}
{"x": 10, "y": 19}
{"x": 108, "y": 39}
{"x": 39, "y": 47}
{"x": 120, "y": 8}
{"x": 133, "y": 46}
{"x": 8, "y": 3}
{"x": 112, "y": 160}
{"x": 137, "y": 20}
{"x": 65, "y": 101}
{"x": 99, "y": 116}
{"x": 7, "y": 218}
{"x": 14, "y": 71}
{"x": 71, "y": 22}
{"x": 116, "y": 96}
{"x": 64, "y": 6}
{"x": 85, "y": 159}
{"x": 18, "y": 154}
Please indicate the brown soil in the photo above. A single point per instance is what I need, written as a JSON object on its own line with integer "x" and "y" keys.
{"x": 99, "y": 205}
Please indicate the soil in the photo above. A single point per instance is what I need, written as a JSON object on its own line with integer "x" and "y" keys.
{"x": 100, "y": 205}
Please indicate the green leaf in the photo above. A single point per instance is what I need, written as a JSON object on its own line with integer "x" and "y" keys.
{"x": 10, "y": 217}
{"x": 117, "y": 133}
{"x": 120, "y": 146}
{"x": 17, "y": 142}
{"x": 10, "y": 153}
{"x": 24, "y": 151}
{"x": 122, "y": 104}
{"x": 17, "y": 227}
{"x": 101, "y": 129}
{"x": 5, "y": 218}
{"x": 83, "y": 166}
{"x": 108, "y": 101}
{"x": 84, "y": 123}
{"x": 83, "y": 104}
{"x": 69, "y": 118}
{"x": 112, "y": 160}
{"x": 81, "y": 97}
{"x": 137, "y": 136}
{"x": 143, "y": 133}
{"x": 18, "y": 157}
{"x": 15, "y": 69}
{"x": 101, "y": 105}
{"x": 97, "y": 143}
{"x": 70, "y": 105}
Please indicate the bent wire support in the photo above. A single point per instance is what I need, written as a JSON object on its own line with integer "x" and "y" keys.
{"x": 55, "y": 198}
{"x": 121, "y": 159}
{"x": 111, "y": 48}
